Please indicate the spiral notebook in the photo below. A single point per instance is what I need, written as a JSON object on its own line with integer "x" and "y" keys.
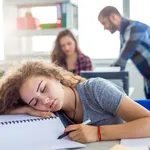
{"x": 24, "y": 132}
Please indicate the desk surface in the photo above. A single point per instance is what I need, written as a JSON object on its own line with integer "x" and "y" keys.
{"x": 104, "y": 145}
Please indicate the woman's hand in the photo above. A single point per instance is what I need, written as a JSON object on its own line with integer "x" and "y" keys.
{"x": 31, "y": 111}
{"x": 82, "y": 133}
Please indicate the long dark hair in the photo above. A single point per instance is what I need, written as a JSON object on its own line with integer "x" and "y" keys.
{"x": 57, "y": 55}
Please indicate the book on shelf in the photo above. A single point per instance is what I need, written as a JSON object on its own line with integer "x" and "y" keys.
{"x": 59, "y": 15}
{"x": 69, "y": 15}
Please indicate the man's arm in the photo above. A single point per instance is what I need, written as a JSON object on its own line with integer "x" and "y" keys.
{"x": 132, "y": 39}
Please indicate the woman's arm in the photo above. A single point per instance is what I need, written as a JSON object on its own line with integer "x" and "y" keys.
{"x": 137, "y": 125}
{"x": 137, "y": 122}
{"x": 30, "y": 111}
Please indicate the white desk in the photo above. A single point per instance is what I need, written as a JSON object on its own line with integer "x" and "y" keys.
{"x": 107, "y": 69}
{"x": 104, "y": 145}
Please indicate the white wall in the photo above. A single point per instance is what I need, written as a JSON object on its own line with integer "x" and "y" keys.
{"x": 1, "y": 32}
{"x": 93, "y": 39}
{"x": 99, "y": 41}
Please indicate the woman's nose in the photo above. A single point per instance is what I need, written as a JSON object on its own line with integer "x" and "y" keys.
{"x": 46, "y": 100}
{"x": 43, "y": 99}
{"x": 66, "y": 48}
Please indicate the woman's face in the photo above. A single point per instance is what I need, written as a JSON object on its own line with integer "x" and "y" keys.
{"x": 67, "y": 45}
{"x": 43, "y": 93}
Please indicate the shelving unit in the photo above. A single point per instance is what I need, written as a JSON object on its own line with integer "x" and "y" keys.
{"x": 13, "y": 36}
{"x": 26, "y": 3}
{"x": 43, "y": 32}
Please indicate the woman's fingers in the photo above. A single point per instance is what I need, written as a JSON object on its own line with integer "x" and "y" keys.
{"x": 49, "y": 114}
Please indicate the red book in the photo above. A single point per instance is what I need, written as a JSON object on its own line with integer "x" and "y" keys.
{"x": 59, "y": 16}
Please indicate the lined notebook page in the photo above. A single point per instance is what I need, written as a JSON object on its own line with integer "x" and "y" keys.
{"x": 36, "y": 135}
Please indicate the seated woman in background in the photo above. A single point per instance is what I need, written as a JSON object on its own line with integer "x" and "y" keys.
{"x": 45, "y": 87}
{"x": 67, "y": 54}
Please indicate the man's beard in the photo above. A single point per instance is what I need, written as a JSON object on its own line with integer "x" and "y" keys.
{"x": 113, "y": 28}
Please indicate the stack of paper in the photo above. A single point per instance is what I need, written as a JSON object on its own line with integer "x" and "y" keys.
{"x": 122, "y": 147}
{"x": 137, "y": 144}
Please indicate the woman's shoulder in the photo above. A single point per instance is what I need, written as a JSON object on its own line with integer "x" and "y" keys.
{"x": 99, "y": 84}
{"x": 94, "y": 82}
{"x": 93, "y": 88}
{"x": 84, "y": 59}
{"x": 82, "y": 55}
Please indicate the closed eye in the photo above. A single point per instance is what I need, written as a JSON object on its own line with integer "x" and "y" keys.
{"x": 33, "y": 102}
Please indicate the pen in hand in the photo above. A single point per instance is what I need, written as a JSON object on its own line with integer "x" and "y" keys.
{"x": 65, "y": 134}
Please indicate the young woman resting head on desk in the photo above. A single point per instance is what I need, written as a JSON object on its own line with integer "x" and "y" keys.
{"x": 45, "y": 87}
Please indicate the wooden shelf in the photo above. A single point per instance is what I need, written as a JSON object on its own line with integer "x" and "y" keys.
{"x": 42, "y": 32}
{"x": 32, "y": 3}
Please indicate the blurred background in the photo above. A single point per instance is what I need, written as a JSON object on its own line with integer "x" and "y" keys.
{"x": 28, "y": 29}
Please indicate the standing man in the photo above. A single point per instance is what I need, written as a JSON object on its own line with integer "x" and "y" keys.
{"x": 134, "y": 39}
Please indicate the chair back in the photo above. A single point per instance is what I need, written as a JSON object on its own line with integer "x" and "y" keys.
{"x": 119, "y": 78}
{"x": 144, "y": 103}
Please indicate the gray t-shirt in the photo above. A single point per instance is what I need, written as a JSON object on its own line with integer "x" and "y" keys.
{"x": 100, "y": 100}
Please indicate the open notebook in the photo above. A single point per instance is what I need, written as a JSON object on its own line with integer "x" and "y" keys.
{"x": 24, "y": 132}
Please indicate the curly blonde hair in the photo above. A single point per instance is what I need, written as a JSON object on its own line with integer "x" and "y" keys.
{"x": 11, "y": 82}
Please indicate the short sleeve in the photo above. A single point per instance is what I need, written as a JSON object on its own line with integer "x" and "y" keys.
{"x": 108, "y": 95}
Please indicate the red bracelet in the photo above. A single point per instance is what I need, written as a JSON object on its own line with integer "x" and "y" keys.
{"x": 99, "y": 133}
